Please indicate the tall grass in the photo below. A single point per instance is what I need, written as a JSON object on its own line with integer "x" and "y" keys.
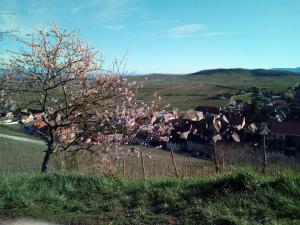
{"x": 238, "y": 198}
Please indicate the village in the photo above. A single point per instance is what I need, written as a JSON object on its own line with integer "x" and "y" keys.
{"x": 234, "y": 128}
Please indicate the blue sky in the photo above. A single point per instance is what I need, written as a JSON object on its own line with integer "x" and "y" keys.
{"x": 172, "y": 36}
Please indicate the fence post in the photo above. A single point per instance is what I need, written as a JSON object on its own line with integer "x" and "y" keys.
{"x": 216, "y": 158}
{"x": 222, "y": 164}
{"x": 174, "y": 163}
{"x": 124, "y": 174}
{"x": 185, "y": 168}
{"x": 112, "y": 167}
{"x": 143, "y": 166}
{"x": 154, "y": 167}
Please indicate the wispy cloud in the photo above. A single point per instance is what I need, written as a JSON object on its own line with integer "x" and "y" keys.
{"x": 110, "y": 14}
{"x": 114, "y": 27}
{"x": 117, "y": 11}
{"x": 37, "y": 14}
{"x": 185, "y": 30}
{"x": 194, "y": 30}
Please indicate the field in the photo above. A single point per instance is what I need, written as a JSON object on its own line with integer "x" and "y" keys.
{"x": 188, "y": 91}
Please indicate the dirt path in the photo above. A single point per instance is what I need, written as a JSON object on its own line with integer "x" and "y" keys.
{"x": 25, "y": 222}
{"x": 21, "y": 139}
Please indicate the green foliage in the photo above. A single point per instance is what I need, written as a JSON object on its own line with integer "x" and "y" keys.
{"x": 241, "y": 198}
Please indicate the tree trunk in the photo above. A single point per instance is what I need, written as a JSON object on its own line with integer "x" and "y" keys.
{"x": 45, "y": 161}
{"x": 49, "y": 150}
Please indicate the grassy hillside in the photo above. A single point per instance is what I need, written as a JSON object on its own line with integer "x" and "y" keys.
{"x": 24, "y": 157}
{"x": 19, "y": 157}
{"x": 188, "y": 91}
{"x": 13, "y": 130}
{"x": 78, "y": 199}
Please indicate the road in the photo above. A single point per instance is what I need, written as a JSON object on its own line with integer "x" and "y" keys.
{"x": 15, "y": 138}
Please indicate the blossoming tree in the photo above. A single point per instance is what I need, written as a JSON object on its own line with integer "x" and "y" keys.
{"x": 58, "y": 72}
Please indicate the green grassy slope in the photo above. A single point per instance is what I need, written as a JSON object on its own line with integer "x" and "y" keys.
{"x": 77, "y": 199}
{"x": 17, "y": 156}
{"x": 24, "y": 157}
{"x": 20, "y": 157}
{"x": 13, "y": 130}
{"x": 188, "y": 91}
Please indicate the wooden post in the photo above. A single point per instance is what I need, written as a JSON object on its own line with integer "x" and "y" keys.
{"x": 264, "y": 166}
{"x": 264, "y": 131}
{"x": 143, "y": 166}
{"x": 216, "y": 159}
{"x": 222, "y": 164}
{"x": 185, "y": 168}
{"x": 124, "y": 169}
{"x": 112, "y": 167}
{"x": 154, "y": 167}
{"x": 202, "y": 169}
{"x": 174, "y": 163}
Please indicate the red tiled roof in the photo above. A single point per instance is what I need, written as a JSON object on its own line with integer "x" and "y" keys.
{"x": 41, "y": 125}
{"x": 287, "y": 128}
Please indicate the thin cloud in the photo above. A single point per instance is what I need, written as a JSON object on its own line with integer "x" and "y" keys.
{"x": 185, "y": 30}
{"x": 194, "y": 30}
{"x": 114, "y": 27}
{"x": 100, "y": 12}
{"x": 117, "y": 11}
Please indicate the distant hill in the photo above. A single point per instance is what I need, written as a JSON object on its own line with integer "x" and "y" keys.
{"x": 239, "y": 72}
{"x": 294, "y": 70}
{"x": 201, "y": 88}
